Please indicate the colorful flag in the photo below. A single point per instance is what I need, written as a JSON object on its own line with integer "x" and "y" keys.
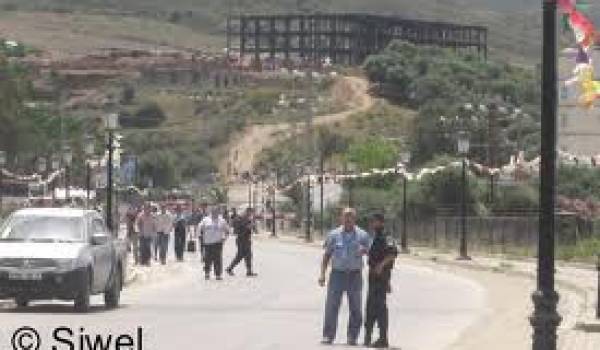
{"x": 583, "y": 28}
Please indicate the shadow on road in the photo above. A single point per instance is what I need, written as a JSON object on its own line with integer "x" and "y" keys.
{"x": 57, "y": 309}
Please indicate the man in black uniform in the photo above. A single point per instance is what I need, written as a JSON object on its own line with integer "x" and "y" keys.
{"x": 382, "y": 254}
{"x": 243, "y": 227}
{"x": 179, "y": 224}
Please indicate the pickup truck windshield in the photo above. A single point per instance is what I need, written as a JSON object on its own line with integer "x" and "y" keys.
{"x": 42, "y": 229}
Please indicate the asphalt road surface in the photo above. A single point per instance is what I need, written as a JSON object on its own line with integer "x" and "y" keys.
{"x": 280, "y": 309}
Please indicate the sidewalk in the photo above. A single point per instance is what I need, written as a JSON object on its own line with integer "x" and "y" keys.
{"x": 576, "y": 285}
{"x": 509, "y": 283}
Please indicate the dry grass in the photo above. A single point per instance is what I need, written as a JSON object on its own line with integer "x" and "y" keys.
{"x": 64, "y": 34}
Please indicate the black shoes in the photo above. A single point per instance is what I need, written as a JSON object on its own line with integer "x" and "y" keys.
{"x": 380, "y": 344}
{"x": 352, "y": 342}
{"x": 251, "y": 274}
{"x": 367, "y": 342}
{"x": 230, "y": 272}
{"x": 219, "y": 278}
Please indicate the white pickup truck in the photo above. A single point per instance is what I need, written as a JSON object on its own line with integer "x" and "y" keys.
{"x": 65, "y": 254}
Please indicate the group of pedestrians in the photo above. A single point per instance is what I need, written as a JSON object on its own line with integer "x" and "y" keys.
{"x": 345, "y": 249}
{"x": 149, "y": 233}
{"x": 150, "y": 229}
{"x": 213, "y": 232}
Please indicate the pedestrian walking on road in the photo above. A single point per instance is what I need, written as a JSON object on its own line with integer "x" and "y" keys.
{"x": 155, "y": 239}
{"x": 382, "y": 254}
{"x": 199, "y": 216}
{"x": 164, "y": 222}
{"x": 179, "y": 225}
{"x": 132, "y": 234}
{"x": 147, "y": 228}
{"x": 345, "y": 247}
{"x": 214, "y": 231}
{"x": 243, "y": 227}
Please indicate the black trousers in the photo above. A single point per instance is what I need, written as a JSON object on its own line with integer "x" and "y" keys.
{"x": 145, "y": 250}
{"x": 377, "y": 310}
{"x": 244, "y": 251}
{"x": 202, "y": 248}
{"x": 179, "y": 245}
{"x": 163, "y": 246}
{"x": 213, "y": 257}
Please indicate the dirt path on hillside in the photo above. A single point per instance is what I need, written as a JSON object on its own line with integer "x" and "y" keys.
{"x": 243, "y": 151}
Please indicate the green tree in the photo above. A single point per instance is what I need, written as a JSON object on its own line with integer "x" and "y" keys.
{"x": 438, "y": 82}
{"x": 373, "y": 153}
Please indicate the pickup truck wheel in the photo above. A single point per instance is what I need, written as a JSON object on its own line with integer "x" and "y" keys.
{"x": 21, "y": 302}
{"x": 113, "y": 293}
{"x": 82, "y": 301}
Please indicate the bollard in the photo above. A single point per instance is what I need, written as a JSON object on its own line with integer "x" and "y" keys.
{"x": 598, "y": 300}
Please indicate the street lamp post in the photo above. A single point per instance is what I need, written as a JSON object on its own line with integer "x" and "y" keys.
{"x": 112, "y": 121}
{"x": 308, "y": 207}
{"x": 55, "y": 165}
{"x": 2, "y": 164}
{"x": 351, "y": 167}
{"x": 545, "y": 318}
{"x": 463, "y": 150}
{"x": 273, "y": 204}
{"x": 254, "y": 193}
{"x": 405, "y": 158}
{"x": 322, "y": 199}
{"x": 492, "y": 187}
{"x": 89, "y": 151}
{"x": 68, "y": 159}
{"x": 42, "y": 167}
{"x": 249, "y": 179}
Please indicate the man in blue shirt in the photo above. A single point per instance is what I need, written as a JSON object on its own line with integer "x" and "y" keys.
{"x": 345, "y": 247}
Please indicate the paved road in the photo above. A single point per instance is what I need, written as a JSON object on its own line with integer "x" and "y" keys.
{"x": 281, "y": 309}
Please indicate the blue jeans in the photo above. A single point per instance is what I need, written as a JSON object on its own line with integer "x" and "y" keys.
{"x": 349, "y": 282}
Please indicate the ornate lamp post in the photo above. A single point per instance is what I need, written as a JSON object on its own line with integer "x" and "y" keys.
{"x": 545, "y": 318}
{"x": 89, "y": 152}
{"x": 2, "y": 165}
{"x": 68, "y": 160}
{"x": 405, "y": 159}
{"x": 112, "y": 121}
{"x": 463, "y": 150}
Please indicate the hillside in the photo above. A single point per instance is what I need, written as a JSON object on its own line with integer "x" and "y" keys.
{"x": 514, "y": 25}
